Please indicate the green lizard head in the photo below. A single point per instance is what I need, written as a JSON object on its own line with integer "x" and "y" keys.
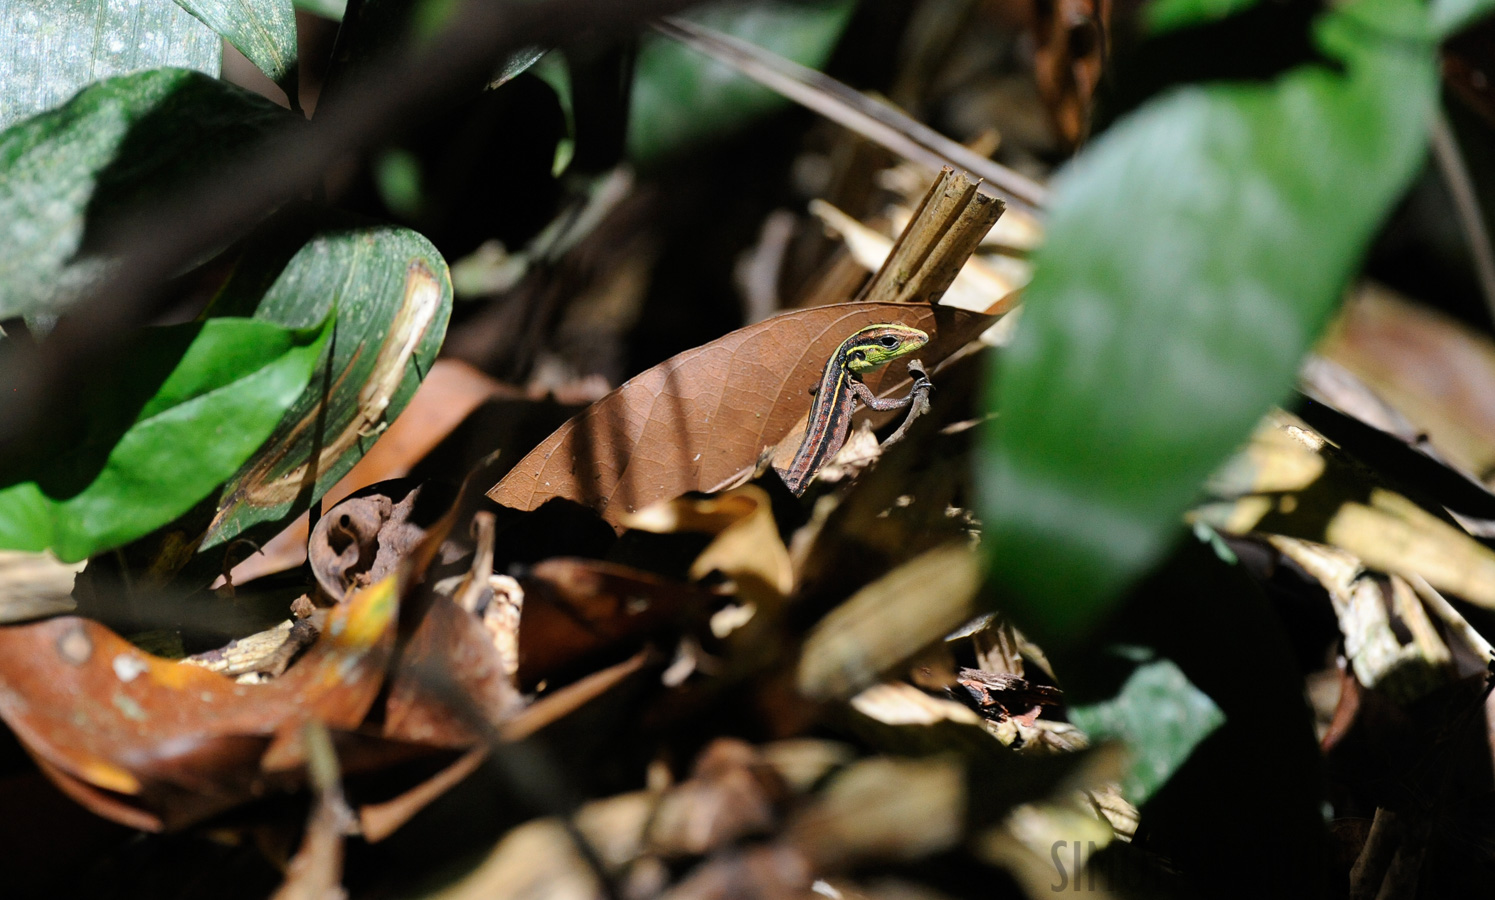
{"x": 878, "y": 345}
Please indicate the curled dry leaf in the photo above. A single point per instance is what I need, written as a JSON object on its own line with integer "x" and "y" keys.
{"x": 366, "y": 536}
{"x": 698, "y": 419}
{"x": 1070, "y": 38}
{"x": 153, "y": 743}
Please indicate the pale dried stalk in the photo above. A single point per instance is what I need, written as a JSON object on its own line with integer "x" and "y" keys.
{"x": 946, "y": 230}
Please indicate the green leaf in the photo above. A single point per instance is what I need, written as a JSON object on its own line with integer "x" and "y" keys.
{"x": 1160, "y": 716}
{"x": 1194, "y": 253}
{"x": 327, "y": 9}
{"x": 149, "y": 439}
{"x": 681, "y": 97}
{"x": 49, "y": 49}
{"x": 263, "y": 30}
{"x": 1453, "y": 16}
{"x": 391, "y": 294}
{"x": 1166, "y": 15}
{"x": 120, "y": 144}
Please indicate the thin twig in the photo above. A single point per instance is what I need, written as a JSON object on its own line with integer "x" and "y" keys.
{"x": 877, "y": 121}
{"x": 1452, "y": 617}
{"x": 1466, "y": 205}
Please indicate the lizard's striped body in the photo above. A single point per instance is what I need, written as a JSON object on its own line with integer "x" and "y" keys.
{"x": 840, "y": 390}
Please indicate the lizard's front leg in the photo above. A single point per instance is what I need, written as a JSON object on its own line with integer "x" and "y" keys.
{"x": 867, "y": 398}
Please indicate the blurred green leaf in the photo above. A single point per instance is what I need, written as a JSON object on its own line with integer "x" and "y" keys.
{"x": 1160, "y": 716}
{"x": 391, "y": 294}
{"x": 327, "y": 9}
{"x": 397, "y": 177}
{"x": 1194, "y": 252}
{"x": 1166, "y": 15}
{"x": 681, "y": 97}
{"x": 123, "y": 143}
{"x": 50, "y": 49}
{"x": 263, "y": 30}
{"x": 1452, "y": 16}
{"x": 147, "y": 440}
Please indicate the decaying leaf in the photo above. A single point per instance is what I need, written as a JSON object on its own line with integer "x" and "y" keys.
{"x": 700, "y": 418}
{"x": 171, "y": 742}
{"x": 576, "y": 608}
{"x": 447, "y": 396}
{"x": 451, "y": 681}
{"x": 366, "y": 536}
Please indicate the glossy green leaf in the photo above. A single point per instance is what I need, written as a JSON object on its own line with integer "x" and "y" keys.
{"x": 118, "y": 145}
{"x": 1194, "y": 252}
{"x": 391, "y": 295}
{"x": 1160, "y": 716}
{"x": 146, "y": 441}
{"x": 681, "y": 97}
{"x": 50, "y": 49}
{"x": 263, "y": 30}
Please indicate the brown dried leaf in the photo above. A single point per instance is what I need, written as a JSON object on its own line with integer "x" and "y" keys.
{"x": 449, "y": 677}
{"x": 701, "y": 417}
{"x": 366, "y": 536}
{"x": 576, "y": 607}
{"x": 1436, "y": 372}
{"x": 733, "y": 793}
{"x": 153, "y": 743}
{"x": 747, "y": 547}
{"x": 380, "y": 820}
{"x": 1067, "y": 61}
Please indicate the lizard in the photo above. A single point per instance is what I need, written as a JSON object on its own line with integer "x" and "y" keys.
{"x": 841, "y": 388}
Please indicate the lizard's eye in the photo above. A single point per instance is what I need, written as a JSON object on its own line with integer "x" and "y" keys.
{"x": 859, "y": 356}
{"x": 889, "y": 341}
